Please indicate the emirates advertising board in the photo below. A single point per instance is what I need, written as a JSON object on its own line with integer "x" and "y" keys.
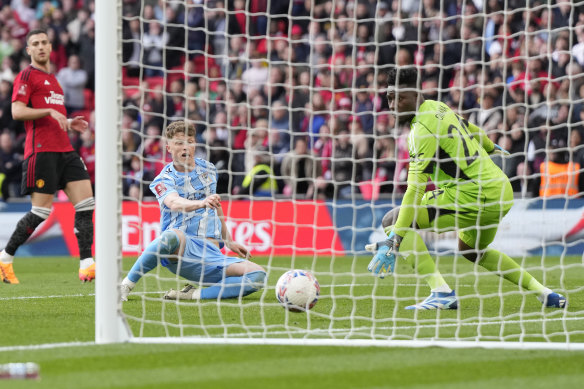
{"x": 308, "y": 228}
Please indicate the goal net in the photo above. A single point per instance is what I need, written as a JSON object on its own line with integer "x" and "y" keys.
{"x": 289, "y": 103}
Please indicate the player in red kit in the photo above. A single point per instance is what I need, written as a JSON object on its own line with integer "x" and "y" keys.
{"x": 50, "y": 161}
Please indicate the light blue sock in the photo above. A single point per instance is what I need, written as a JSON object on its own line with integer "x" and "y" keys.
{"x": 231, "y": 287}
{"x": 165, "y": 244}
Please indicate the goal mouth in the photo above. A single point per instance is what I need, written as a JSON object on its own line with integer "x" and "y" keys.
{"x": 291, "y": 111}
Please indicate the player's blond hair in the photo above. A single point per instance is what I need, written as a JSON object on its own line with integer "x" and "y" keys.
{"x": 180, "y": 127}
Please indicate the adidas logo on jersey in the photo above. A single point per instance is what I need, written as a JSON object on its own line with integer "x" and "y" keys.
{"x": 47, "y": 83}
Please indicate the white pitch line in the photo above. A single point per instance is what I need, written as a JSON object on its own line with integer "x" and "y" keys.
{"x": 48, "y": 297}
{"x": 44, "y": 346}
{"x": 164, "y": 291}
{"x": 357, "y": 331}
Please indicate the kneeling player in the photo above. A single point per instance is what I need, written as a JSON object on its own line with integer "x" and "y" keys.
{"x": 194, "y": 229}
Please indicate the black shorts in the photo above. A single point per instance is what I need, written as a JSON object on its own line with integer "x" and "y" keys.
{"x": 48, "y": 172}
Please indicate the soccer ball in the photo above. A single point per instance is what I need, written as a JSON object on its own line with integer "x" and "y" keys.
{"x": 297, "y": 290}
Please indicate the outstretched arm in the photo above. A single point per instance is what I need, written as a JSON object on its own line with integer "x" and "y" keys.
{"x": 417, "y": 182}
{"x": 177, "y": 203}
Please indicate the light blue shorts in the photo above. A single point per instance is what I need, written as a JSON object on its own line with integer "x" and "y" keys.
{"x": 201, "y": 262}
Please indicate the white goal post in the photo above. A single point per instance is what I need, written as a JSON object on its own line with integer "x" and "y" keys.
{"x": 109, "y": 323}
{"x": 325, "y": 231}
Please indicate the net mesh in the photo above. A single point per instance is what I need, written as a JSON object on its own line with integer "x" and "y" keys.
{"x": 298, "y": 87}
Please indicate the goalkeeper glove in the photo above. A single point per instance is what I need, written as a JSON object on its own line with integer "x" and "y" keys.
{"x": 499, "y": 150}
{"x": 384, "y": 260}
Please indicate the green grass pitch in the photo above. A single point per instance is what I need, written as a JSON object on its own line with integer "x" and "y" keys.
{"x": 52, "y": 306}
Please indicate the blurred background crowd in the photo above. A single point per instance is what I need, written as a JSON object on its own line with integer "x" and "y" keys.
{"x": 288, "y": 96}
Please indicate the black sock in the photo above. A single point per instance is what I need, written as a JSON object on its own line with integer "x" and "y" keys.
{"x": 23, "y": 231}
{"x": 84, "y": 232}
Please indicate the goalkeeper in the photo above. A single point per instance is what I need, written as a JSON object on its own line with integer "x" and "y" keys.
{"x": 193, "y": 229}
{"x": 472, "y": 196}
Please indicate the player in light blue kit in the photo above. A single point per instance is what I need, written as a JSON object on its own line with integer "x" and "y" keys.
{"x": 193, "y": 229}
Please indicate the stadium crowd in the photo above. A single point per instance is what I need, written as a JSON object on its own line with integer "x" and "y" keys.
{"x": 295, "y": 106}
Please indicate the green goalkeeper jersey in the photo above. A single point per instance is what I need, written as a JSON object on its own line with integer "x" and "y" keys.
{"x": 453, "y": 153}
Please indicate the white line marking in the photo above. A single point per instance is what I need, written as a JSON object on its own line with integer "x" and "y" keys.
{"x": 164, "y": 291}
{"x": 357, "y": 331}
{"x": 44, "y": 346}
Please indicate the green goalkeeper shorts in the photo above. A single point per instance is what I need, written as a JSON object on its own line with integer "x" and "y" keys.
{"x": 475, "y": 217}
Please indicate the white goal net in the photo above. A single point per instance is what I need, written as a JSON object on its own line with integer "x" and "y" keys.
{"x": 288, "y": 99}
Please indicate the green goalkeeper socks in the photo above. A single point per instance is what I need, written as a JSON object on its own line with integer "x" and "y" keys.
{"x": 415, "y": 252}
{"x": 507, "y": 268}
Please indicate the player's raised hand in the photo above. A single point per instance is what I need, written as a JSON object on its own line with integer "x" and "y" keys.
{"x": 79, "y": 124}
{"x": 212, "y": 201}
{"x": 60, "y": 118}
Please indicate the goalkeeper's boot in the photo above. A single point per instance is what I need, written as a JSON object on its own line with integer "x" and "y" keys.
{"x": 186, "y": 293}
{"x": 7, "y": 273}
{"x": 87, "y": 274}
{"x": 555, "y": 300}
{"x": 437, "y": 300}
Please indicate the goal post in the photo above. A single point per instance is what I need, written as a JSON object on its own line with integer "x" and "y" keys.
{"x": 110, "y": 326}
{"x": 300, "y": 91}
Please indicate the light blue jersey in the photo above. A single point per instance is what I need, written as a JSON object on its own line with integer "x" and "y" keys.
{"x": 197, "y": 184}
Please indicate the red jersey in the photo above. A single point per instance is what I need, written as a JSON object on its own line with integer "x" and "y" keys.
{"x": 38, "y": 89}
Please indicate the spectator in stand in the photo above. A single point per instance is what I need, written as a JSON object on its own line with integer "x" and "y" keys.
{"x": 488, "y": 116}
{"x": 130, "y": 140}
{"x": 255, "y": 77}
{"x": 175, "y": 43}
{"x": 274, "y": 89}
{"x": 87, "y": 51}
{"x": 364, "y": 109}
{"x": 216, "y": 137}
{"x": 315, "y": 118}
{"x": 134, "y": 179}
{"x": 280, "y": 123}
{"x": 131, "y": 46}
{"x": 10, "y": 167}
{"x": 153, "y": 150}
{"x": 6, "y": 48}
{"x": 297, "y": 98}
{"x": 76, "y": 26}
{"x": 5, "y": 104}
{"x": 343, "y": 168}
{"x": 560, "y": 177}
{"x": 362, "y": 150}
{"x": 385, "y": 154}
{"x": 73, "y": 79}
{"x": 299, "y": 171}
{"x": 260, "y": 180}
{"x": 196, "y": 33}
{"x": 257, "y": 138}
{"x": 153, "y": 42}
{"x": 322, "y": 151}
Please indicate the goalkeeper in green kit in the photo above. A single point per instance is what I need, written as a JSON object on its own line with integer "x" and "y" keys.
{"x": 472, "y": 196}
